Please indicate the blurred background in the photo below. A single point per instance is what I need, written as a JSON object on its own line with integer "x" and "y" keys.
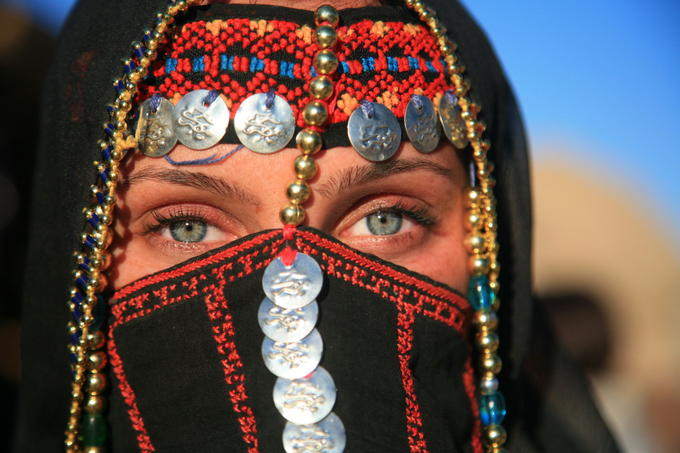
{"x": 599, "y": 88}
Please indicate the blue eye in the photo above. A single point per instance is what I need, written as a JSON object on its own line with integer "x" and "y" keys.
{"x": 383, "y": 223}
{"x": 188, "y": 230}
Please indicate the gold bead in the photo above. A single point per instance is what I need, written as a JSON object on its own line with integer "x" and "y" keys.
{"x": 326, "y": 36}
{"x": 321, "y": 87}
{"x": 76, "y": 393}
{"x": 91, "y": 449}
{"x": 474, "y": 243}
{"x": 298, "y": 192}
{"x": 494, "y": 436}
{"x": 96, "y": 360}
{"x": 308, "y": 141}
{"x": 305, "y": 167}
{"x": 473, "y": 221}
{"x": 94, "y": 404}
{"x": 485, "y": 319}
{"x": 487, "y": 341}
{"x": 315, "y": 113}
{"x": 473, "y": 194}
{"x": 478, "y": 265}
{"x": 439, "y": 30}
{"x": 328, "y": 15}
{"x": 326, "y": 62}
{"x": 491, "y": 363}
{"x": 292, "y": 215}
{"x": 96, "y": 382}
{"x": 95, "y": 340}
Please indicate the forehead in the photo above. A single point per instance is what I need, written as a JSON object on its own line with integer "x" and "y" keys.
{"x": 334, "y": 166}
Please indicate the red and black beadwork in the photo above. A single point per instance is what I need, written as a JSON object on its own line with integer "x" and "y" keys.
{"x": 382, "y": 60}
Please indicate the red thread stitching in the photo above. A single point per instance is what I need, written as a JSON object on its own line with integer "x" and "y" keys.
{"x": 414, "y": 419}
{"x": 223, "y": 333}
{"x": 471, "y": 391}
{"x": 143, "y": 439}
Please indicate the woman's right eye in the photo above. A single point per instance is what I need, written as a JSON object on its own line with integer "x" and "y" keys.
{"x": 189, "y": 230}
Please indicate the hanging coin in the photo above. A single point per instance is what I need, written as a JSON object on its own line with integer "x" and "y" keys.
{"x": 155, "y": 134}
{"x": 327, "y": 436}
{"x": 452, "y": 123}
{"x": 295, "y": 359}
{"x": 287, "y": 324}
{"x": 420, "y": 122}
{"x": 264, "y": 123}
{"x": 292, "y": 286}
{"x": 374, "y": 131}
{"x": 305, "y": 401}
{"x": 201, "y": 119}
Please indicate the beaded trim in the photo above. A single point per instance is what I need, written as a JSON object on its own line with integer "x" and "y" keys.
{"x": 93, "y": 259}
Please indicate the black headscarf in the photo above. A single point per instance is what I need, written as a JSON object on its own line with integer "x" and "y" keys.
{"x": 549, "y": 406}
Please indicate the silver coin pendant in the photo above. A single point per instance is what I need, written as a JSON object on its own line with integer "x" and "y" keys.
{"x": 326, "y": 436}
{"x": 295, "y": 359}
{"x": 292, "y": 286}
{"x": 155, "y": 133}
{"x": 420, "y": 122}
{"x": 374, "y": 132}
{"x": 452, "y": 123}
{"x": 264, "y": 123}
{"x": 287, "y": 324}
{"x": 307, "y": 400}
{"x": 200, "y": 124}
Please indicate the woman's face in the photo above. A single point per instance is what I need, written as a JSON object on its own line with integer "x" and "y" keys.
{"x": 408, "y": 210}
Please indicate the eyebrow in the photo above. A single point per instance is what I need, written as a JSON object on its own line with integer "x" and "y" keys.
{"x": 363, "y": 174}
{"x": 195, "y": 180}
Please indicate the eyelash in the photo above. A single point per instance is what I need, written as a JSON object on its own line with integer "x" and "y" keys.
{"x": 420, "y": 215}
{"x": 174, "y": 215}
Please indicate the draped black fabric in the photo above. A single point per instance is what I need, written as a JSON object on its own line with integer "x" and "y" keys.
{"x": 549, "y": 405}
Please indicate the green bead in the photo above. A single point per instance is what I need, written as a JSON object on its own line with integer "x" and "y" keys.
{"x": 94, "y": 430}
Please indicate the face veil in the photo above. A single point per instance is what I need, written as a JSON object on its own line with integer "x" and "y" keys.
{"x": 97, "y": 34}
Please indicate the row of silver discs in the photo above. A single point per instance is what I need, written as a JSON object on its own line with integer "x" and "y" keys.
{"x": 264, "y": 123}
{"x": 304, "y": 392}
{"x": 375, "y": 133}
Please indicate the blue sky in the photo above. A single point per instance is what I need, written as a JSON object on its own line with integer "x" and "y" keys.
{"x": 600, "y": 77}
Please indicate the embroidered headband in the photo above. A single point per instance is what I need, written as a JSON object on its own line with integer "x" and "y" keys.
{"x": 247, "y": 80}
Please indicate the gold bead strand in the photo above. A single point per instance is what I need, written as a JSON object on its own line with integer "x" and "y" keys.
{"x": 314, "y": 114}
{"x": 90, "y": 359}
{"x": 481, "y": 242}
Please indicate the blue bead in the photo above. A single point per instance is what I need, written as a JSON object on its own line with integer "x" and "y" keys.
{"x": 104, "y": 176}
{"x": 89, "y": 241}
{"x": 109, "y": 129}
{"x": 492, "y": 409}
{"x": 480, "y": 294}
{"x": 93, "y": 220}
{"x": 82, "y": 282}
{"x": 72, "y": 358}
{"x": 75, "y": 338}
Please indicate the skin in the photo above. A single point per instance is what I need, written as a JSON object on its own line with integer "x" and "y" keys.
{"x": 244, "y": 194}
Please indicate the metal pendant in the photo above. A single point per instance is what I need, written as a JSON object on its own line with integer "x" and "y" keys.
{"x": 374, "y": 131}
{"x": 295, "y": 359}
{"x": 305, "y": 401}
{"x": 199, "y": 123}
{"x": 155, "y": 133}
{"x": 326, "y": 436}
{"x": 452, "y": 123}
{"x": 287, "y": 324}
{"x": 264, "y": 123}
{"x": 420, "y": 122}
{"x": 292, "y": 286}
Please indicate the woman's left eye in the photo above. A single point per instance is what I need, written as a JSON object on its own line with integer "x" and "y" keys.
{"x": 381, "y": 223}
